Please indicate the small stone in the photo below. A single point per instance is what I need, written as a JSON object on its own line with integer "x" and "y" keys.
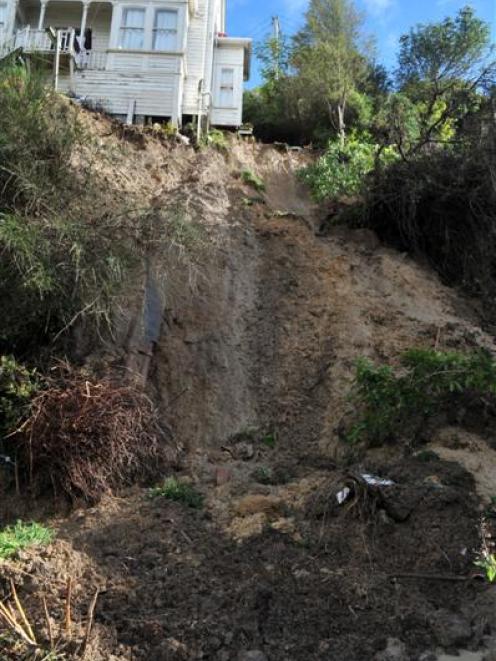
{"x": 433, "y": 481}
{"x": 252, "y": 655}
{"x": 244, "y": 451}
{"x": 222, "y": 476}
{"x": 428, "y": 656}
{"x": 395, "y": 651}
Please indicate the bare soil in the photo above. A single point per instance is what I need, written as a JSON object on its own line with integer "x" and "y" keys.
{"x": 252, "y": 369}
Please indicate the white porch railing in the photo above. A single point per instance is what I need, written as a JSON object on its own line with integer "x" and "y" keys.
{"x": 44, "y": 41}
{"x": 95, "y": 60}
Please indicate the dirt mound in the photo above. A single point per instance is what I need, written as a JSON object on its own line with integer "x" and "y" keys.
{"x": 251, "y": 367}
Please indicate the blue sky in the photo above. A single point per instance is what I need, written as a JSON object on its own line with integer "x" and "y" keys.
{"x": 386, "y": 19}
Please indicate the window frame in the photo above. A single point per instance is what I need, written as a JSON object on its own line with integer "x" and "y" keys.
{"x": 5, "y": 7}
{"x": 223, "y": 87}
{"x": 125, "y": 30}
{"x": 167, "y": 31}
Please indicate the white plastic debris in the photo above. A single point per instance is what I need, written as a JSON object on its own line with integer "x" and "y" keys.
{"x": 342, "y": 496}
{"x": 376, "y": 481}
{"x": 372, "y": 480}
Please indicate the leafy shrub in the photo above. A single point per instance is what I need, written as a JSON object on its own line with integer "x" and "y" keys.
{"x": 20, "y": 536}
{"x": 17, "y": 386}
{"x": 488, "y": 564}
{"x": 342, "y": 170}
{"x": 180, "y": 492}
{"x": 253, "y": 180}
{"x": 392, "y": 404}
{"x": 216, "y": 139}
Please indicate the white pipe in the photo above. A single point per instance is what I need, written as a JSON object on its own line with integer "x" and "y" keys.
{"x": 202, "y": 81}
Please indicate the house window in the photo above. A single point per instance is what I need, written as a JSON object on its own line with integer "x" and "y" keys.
{"x": 165, "y": 30}
{"x": 226, "y": 95}
{"x": 3, "y": 16}
{"x": 132, "y": 34}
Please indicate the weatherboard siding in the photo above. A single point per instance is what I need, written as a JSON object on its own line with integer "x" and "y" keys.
{"x": 231, "y": 57}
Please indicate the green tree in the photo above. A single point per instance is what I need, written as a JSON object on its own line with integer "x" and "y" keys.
{"x": 442, "y": 67}
{"x": 329, "y": 57}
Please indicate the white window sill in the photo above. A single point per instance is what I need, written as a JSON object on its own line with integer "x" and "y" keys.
{"x": 142, "y": 51}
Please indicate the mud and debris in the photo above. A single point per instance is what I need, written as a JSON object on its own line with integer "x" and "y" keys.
{"x": 251, "y": 370}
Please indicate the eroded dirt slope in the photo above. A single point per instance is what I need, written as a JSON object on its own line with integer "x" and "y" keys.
{"x": 252, "y": 368}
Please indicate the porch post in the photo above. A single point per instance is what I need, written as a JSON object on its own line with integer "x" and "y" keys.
{"x": 41, "y": 19}
{"x": 114, "y": 26}
{"x": 84, "y": 18}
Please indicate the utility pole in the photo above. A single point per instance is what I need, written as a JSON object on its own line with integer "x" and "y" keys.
{"x": 276, "y": 28}
{"x": 276, "y": 36}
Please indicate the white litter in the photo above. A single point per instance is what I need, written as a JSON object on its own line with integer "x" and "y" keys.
{"x": 372, "y": 480}
{"x": 342, "y": 495}
{"x": 377, "y": 481}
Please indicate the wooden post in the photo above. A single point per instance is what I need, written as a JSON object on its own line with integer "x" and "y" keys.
{"x": 84, "y": 19}
{"x": 41, "y": 19}
{"x": 57, "y": 61}
{"x": 130, "y": 111}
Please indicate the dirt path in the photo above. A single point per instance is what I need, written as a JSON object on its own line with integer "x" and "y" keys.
{"x": 252, "y": 371}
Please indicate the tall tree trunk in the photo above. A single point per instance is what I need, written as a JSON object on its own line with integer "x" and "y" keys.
{"x": 341, "y": 124}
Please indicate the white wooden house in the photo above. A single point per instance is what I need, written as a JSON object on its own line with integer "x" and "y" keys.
{"x": 160, "y": 59}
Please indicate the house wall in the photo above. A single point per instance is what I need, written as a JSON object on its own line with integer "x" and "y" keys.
{"x": 204, "y": 25}
{"x": 161, "y": 83}
{"x": 155, "y": 94}
{"x": 231, "y": 58}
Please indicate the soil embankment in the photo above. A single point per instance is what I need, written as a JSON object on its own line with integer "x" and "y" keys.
{"x": 251, "y": 368}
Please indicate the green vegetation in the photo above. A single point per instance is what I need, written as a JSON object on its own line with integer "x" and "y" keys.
{"x": 180, "y": 492}
{"x": 22, "y": 535}
{"x": 216, "y": 139}
{"x": 269, "y": 440}
{"x": 488, "y": 564}
{"x": 253, "y": 180}
{"x": 62, "y": 257}
{"x": 17, "y": 386}
{"x": 343, "y": 169}
{"x": 393, "y": 403}
{"x": 414, "y": 151}
{"x": 321, "y": 82}
{"x": 264, "y": 475}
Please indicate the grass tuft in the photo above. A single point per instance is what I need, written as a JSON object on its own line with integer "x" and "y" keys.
{"x": 179, "y": 492}
{"x": 21, "y": 535}
{"x": 253, "y": 180}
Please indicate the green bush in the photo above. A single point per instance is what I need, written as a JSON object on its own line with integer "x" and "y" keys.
{"x": 21, "y": 535}
{"x": 253, "y": 180}
{"x": 391, "y": 404}
{"x": 342, "y": 170}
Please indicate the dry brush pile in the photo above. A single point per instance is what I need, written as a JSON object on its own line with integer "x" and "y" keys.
{"x": 85, "y": 436}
